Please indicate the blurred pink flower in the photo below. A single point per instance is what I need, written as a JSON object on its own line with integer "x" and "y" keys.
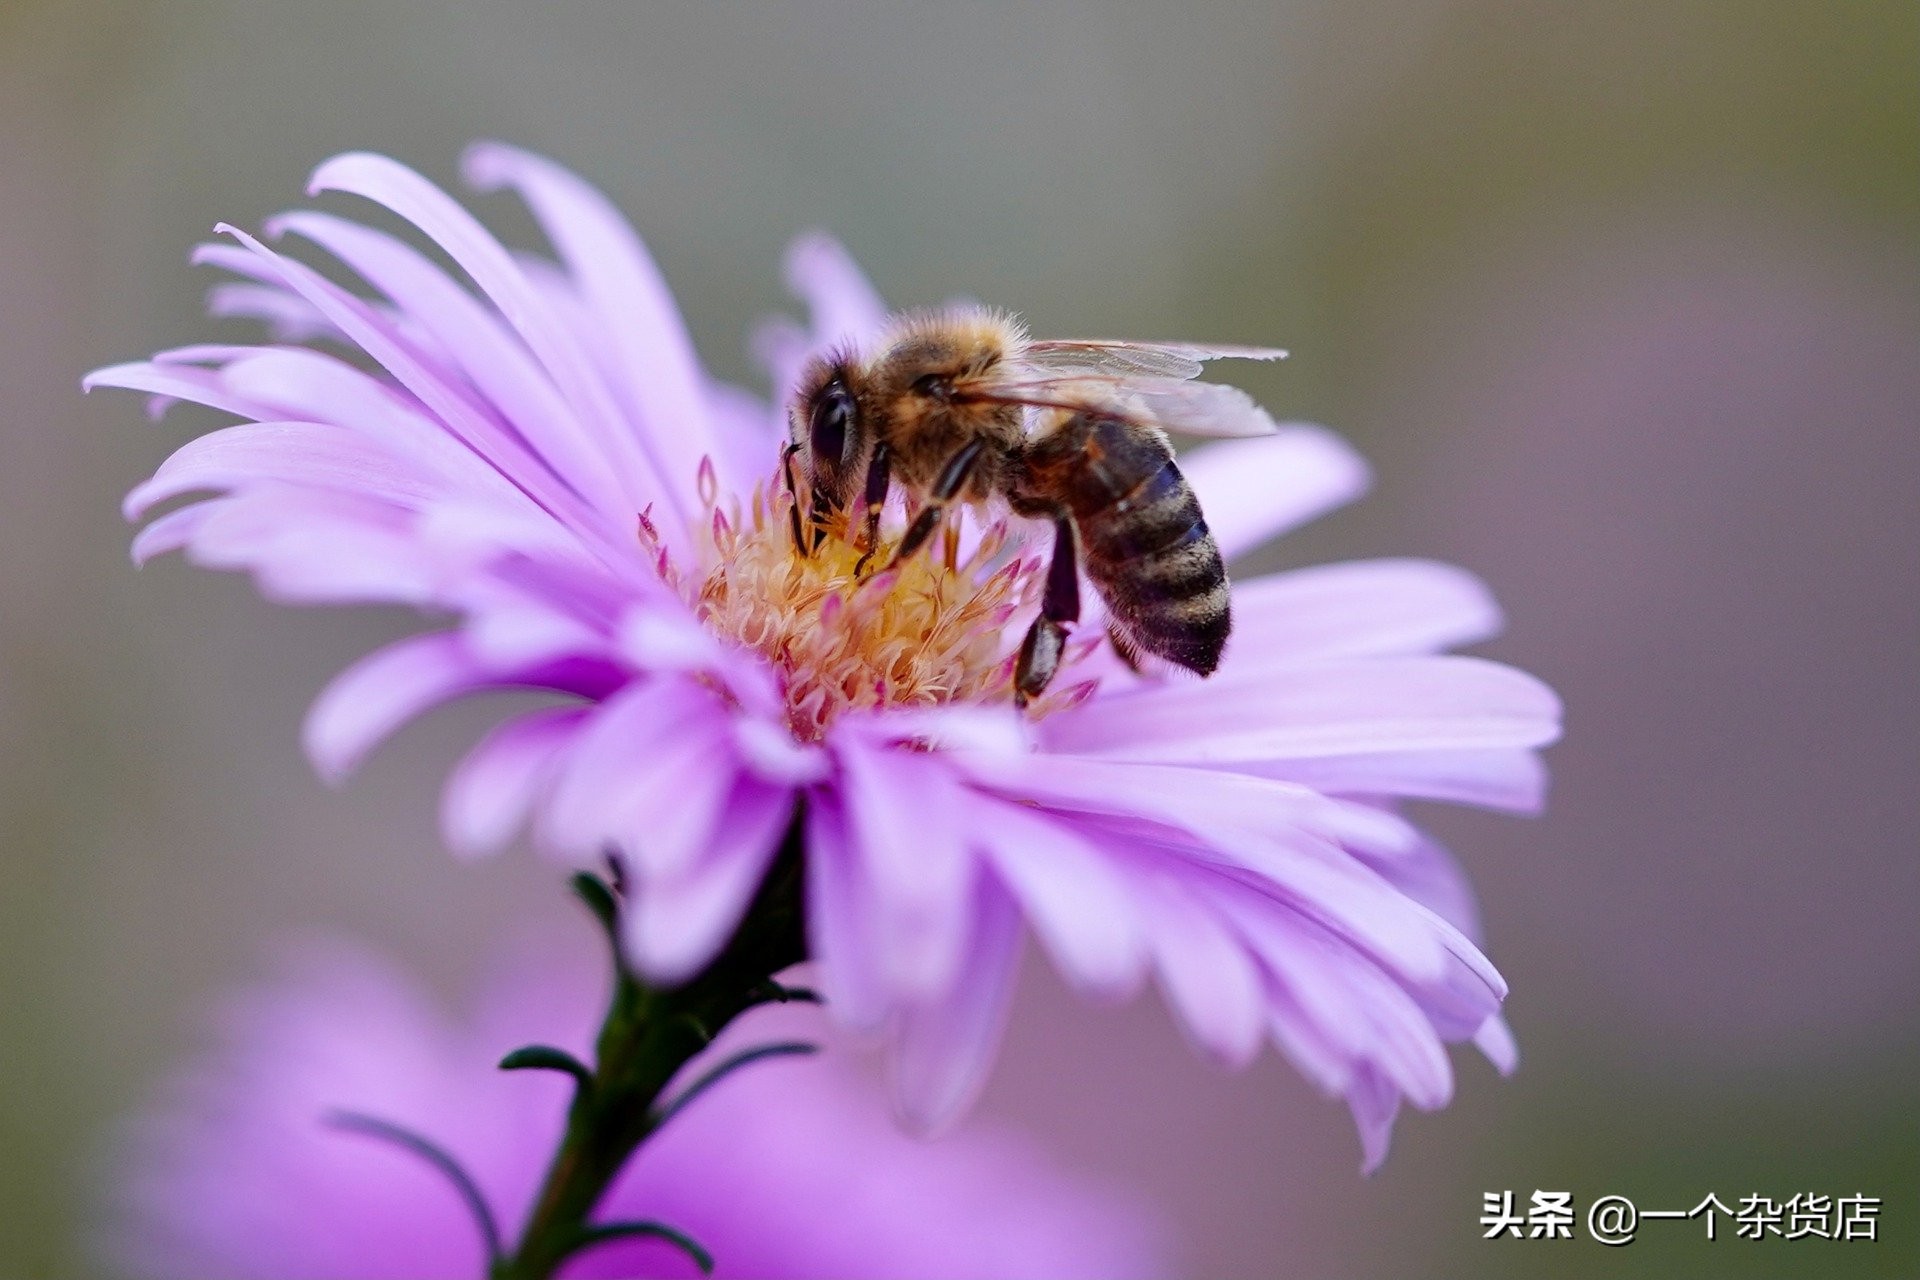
{"x": 546, "y": 461}
{"x": 786, "y": 1168}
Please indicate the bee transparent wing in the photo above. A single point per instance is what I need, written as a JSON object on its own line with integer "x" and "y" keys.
{"x": 1203, "y": 408}
{"x": 1134, "y": 359}
{"x": 1173, "y": 403}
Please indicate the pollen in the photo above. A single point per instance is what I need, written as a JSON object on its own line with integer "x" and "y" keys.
{"x": 845, "y": 635}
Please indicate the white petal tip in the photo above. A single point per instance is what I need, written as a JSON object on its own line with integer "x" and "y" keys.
{"x": 1236, "y": 1054}
{"x": 470, "y": 849}
{"x": 1111, "y": 988}
{"x": 666, "y": 965}
{"x": 485, "y": 165}
{"x": 1376, "y": 1141}
{"x": 931, "y": 1117}
{"x": 1495, "y": 1042}
{"x": 138, "y": 499}
{"x": 470, "y": 838}
{"x": 809, "y": 247}
{"x": 326, "y": 175}
{"x": 774, "y": 755}
{"x": 321, "y": 737}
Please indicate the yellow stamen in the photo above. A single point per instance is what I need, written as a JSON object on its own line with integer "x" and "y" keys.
{"x": 928, "y": 631}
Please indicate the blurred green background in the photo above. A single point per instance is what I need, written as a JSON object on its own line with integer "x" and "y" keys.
{"x": 1623, "y": 301}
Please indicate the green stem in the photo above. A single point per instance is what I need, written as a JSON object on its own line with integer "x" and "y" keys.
{"x": 649, "y": 1034}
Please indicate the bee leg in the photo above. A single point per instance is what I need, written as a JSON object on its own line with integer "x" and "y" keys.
{"x": 801, "y": 542}
{"x": 1040, "y": 651}
{"x": 951, "y": 480}
{"x": 879, "y": 472}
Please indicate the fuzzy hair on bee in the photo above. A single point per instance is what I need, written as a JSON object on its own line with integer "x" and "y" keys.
{"x": 961, "y": 406}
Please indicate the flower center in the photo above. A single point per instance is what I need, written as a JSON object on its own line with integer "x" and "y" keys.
{"x": 847, "y": 636}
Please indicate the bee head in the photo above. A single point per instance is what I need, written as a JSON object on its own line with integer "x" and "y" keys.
{"x": 828, "y": 426}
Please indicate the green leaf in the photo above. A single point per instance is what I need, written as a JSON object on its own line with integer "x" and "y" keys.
{"x": 593, "y": 891}
{"x": 544, "y": 1057}
{"x": 605, "y": 1233}
{"x": 433, "y": 1154}
{"x": 790, "y": 1048}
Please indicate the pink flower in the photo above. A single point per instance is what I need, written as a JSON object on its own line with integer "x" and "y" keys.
{"x": 541, "y": 460}
{"x": 787, "y": 1168}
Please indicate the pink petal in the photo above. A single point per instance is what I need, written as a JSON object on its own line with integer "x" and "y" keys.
{"x": 1209, "y": 981}
{"x": 1253, "y": 490}
{"x": 1495, "y": 1040}
{"x": 173, "y": 530}
{"x": 673, "y": 813}
{"x": 303, "y": 453}
{"x": 1358, "y": 609}
{"x": 507, "y": 379}
{"x": 747, "y": 435}
{"x": 1072, "y": 893}
{"x": 313, "y": 387}
{"x": 376, "y": 695}
{"x": 519, "y": 629}
{"x": 367, "y": 330}
{"x": 677, "y": 924}
{"x": 1513, "y": 779}
{"x": 942, "y": 1050}
{"x": 769, "y": 751}
{"x": 905, "y": 820}
{"x": 782, "y": 346}
{"x": 1305, "y": 1043}
{"x": 1375, "y": 1103}
{"x": 1266, "y": 828}
{"x": 1361, "y": 1010}
{"x": 490, "y": 794}
{"x": 673, "y": 639}
{"x": 664, "y": 384}
{"x": 1211, "y": 804}
{"x": 845, "y": 306}
{"x": 287, "y": 316}
{"x": 1434, "y": 878}
{"x": 209, "y": 353}
{"x": 648, "y": 775}
{"x": 411, "y": 196}
{"x": 242, "y": 261}
{"x": 1469, "y": 987}
{"x": 955, "y": 726}
{"x": 174, "y": 382}
{"x": 308, "y": 546}
{"x": 1404, "y": 1043}
{"x": 1336, "y": 707}
{"x": 517, "y": 535}
{"x": 838, "y": 918}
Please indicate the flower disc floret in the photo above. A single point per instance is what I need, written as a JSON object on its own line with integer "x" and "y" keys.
{"x": 844, "y": 634}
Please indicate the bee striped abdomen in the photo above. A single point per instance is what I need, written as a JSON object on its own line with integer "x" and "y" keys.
{"x": 1146, "y": 545}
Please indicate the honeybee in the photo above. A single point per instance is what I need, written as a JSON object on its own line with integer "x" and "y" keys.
{"x": 960, "y": 406}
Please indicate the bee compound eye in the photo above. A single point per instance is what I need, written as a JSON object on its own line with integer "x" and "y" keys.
{"x": 828, "y": 430}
